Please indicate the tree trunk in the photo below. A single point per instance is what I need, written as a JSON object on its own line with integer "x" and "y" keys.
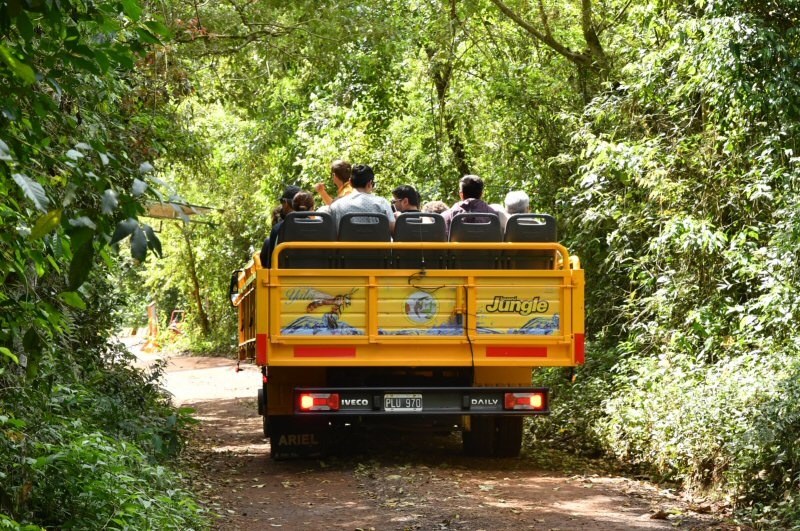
{"x": 442, "y": 74}
{"x": 205, "y": 327}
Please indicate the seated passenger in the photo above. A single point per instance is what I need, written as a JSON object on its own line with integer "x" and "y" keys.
{"x": 405, "y": 199}
{"x": 434, "y": 207}
{"x": 470, "y": 192}
{"x": 516, "y": 202}
{"x": 340, "y": 173}
{"x": 362, "y": 199}
{"x": 269, "y": 243}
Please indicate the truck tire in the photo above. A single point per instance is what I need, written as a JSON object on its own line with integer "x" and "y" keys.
{"x": 479, "y": 441}
{"x": 509, "y": 436}
{"x": 262, "y": 410}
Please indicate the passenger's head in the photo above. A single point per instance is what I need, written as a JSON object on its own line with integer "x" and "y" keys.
{"x": 362, "y": 176}
{"x": 286, "y": 199}
{"x": 276, "y": 214}
{"x": 405, "y": 198}
{"x": 471, "y": 186}
{"x": 341, "y": 171}
{"x": 517, "y": 202}
{"x": 435, "y": 207}
{"x": 303, "y": 202}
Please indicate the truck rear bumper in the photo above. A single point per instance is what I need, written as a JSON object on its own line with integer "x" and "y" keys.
{"x": 403, "y": 401}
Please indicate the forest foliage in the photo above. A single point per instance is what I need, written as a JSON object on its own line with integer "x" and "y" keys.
{"x": 663, "y": 137}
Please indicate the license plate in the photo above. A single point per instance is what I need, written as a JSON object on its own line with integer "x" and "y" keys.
{"x": 402, "y": 402}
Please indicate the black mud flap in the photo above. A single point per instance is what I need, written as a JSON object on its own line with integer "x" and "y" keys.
{"x": 298, "y": 438}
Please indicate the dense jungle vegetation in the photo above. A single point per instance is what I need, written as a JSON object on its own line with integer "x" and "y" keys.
{"x": 662, "y": 135}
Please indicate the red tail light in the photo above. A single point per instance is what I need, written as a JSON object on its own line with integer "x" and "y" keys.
{"x": 528, "y": 401}
{"x": 319, "y": 401}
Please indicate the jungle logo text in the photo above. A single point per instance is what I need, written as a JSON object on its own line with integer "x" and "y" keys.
{"x": 516, "y": 305}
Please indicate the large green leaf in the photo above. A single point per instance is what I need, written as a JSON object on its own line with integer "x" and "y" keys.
{"x": 109, "y": 201}
{"x": 158, "y": 28}
{"x": 123, "y": 230}
{"x": 139, "y": 244}
{"x": 81, "y": 266}
{"x": 20, "y": 69}
{"x": 139, "y": 187}
{"x": 5, "y": 152}
{"x": 46, "y": 223}
{"x": 32, "y": 190}
{"x": 153, "y": 243}
{"x": 132, "y": 9}
{"x": 72, "y": 298}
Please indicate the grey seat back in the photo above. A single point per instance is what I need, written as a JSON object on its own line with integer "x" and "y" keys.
{"x": 530, "y": 228}
{"x": 420, "y": 227}
{"x": 473, "y": 227}
{"x": 306, "y": 227}
{"x": 364, "y": 227}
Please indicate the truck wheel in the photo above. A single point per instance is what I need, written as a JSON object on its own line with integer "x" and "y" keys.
{"x": 262, "y": 410}
{"x": 480, "y": 440}
{"x": 509, "y": 436}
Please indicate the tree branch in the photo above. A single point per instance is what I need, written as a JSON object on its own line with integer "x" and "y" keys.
{"x": 580, "y": 59}
{"x": 593, "y": 58}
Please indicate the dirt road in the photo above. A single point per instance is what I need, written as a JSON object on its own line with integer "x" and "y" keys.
{"x": 398, "y": 482}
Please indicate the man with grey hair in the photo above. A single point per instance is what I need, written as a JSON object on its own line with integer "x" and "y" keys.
{"x": 517, "y": 202}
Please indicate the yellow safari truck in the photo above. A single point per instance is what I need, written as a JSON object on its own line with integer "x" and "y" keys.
{"x": 351, "y": 327}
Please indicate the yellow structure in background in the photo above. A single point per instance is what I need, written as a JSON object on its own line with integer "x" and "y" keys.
{"x": 151, "y": 343}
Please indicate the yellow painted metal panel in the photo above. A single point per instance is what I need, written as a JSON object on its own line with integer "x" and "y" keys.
{"x": 528, "y": 306}
{"x": 323, "y": 306}
{"x": 418, "y": 310}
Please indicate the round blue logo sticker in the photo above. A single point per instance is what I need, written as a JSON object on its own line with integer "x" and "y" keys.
{"x": 421, "y": 307}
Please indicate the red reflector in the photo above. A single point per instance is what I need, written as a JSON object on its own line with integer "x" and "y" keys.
{"x": 319, "y": 402}
{"x": 529, "y": 401}
{"x": 261, "y": 349}
{"x": 580, "y": 349}
{"x": 516, "y": 352}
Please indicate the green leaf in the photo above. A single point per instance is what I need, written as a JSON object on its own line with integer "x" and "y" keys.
{"x": 132, "y": 9}
{"x": 72, "y": 298}
{"x": 81, "y": 265}
{"x": 153, "y": 243}
{"x": 123, "y": 230}
{"x": 8, "y": 354}
{"x": 109, "y": 201}
{"x": 139, "y": 187}
{"x": 179, "y": 210}
{"x": 5, "y": 152}
{"x": 24, "y": 26}
{"x": 158, "y": 28}
{"x": 32, "y": 190}
{"x": 147, "y": 37}
{"x": 81, "y": 63}
{"x": 20, "y": 69}
{"x": 139, "y": 244}
{"x": 79, "y": 236}
{"x": 102, "y": 61}
{"x": 83, "y": 221}
{"x": 46, "y": 223}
